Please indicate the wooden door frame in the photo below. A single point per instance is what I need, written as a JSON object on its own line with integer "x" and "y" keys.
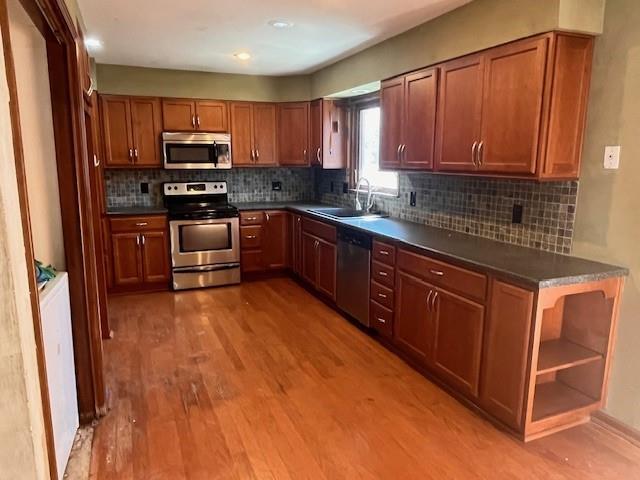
{"x": 52, "y": 19}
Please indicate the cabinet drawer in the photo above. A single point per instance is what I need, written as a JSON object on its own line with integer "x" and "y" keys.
{"x": 466, "y": 282}
{"x": 319, "y": 229}
{"x": 381, "y": 319}
{"x": 383, "y": 274}
{"x": 385, "y": 253}
{"x": 250, "y": 237}
{"x": 251, "y": 218}
{"x": 383, "y": 295}
{"x": 138, "y": 223}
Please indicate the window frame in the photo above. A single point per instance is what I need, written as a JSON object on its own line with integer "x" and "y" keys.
{"x": 356, "y": 105}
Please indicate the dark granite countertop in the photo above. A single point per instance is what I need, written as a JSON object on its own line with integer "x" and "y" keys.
{"x": 136, "y": 210}
{"x": 526, "y": 266}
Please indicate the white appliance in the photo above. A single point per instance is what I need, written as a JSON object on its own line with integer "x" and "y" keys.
{"x": 55, "y": 311}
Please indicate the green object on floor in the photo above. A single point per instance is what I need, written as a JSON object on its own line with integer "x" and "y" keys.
{"x": 44, "y": 274}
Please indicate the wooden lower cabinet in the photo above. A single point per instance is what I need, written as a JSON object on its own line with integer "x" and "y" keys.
{"x": 139, "y": 248}
{"x": 264, "y": 240}
{"x": 458, "y": 326}
{"x": 412, "y": 327}
{"x": 296, "y": 244}
{"x": 276, "y": 239}
{"x": 308, "y": 258}
{"x": 319, "y": 263}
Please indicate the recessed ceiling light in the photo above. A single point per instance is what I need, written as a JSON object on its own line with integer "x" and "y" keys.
{"x": 359, "y": 91}
{"x": 93, "y": 43}
{"x": 280, "y": 24}
{"x": 242, "y": 55}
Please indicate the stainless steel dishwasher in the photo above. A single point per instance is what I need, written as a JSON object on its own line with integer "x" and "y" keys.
{"x": 353, "y": 276}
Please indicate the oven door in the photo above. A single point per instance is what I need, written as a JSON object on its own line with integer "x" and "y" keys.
{"x": 205, "y": 242}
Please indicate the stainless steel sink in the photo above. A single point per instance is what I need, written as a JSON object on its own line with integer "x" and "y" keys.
{"x": 342, "y": 212}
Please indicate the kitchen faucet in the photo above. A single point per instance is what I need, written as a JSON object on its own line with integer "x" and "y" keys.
{"x": 369, "y": 198}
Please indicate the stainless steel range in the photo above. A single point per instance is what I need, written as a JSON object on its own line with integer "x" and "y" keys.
{"x": 205, "y": 235}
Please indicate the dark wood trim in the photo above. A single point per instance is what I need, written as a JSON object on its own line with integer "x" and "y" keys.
{"x": 617, "y": 427}
{"x": 14, "y": 111}
{"x": 354, "y": 106}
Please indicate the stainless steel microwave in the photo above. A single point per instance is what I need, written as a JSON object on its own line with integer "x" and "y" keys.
{"x": 196, "y": 151}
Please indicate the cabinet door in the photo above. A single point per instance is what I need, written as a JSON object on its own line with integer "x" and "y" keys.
{"x": 334, "y": 136}
{"x": 421, "y": 91}
{"x": 512, "y": 107}
{"x": 264, "y": 133}
{"x": 412, "y": 329}
{"x": 146, "y": 121}
{"x": 116, "y": 123}
{"x": 178, "y": 115}
{"x": 327, "y": 260}
{"x": 315, "y": 122}
{"x": 242, "y": 133}
{"x": 391, "y": 113}
{"x": 308, "y": 258}
{"x": 127, "y": 259}
{"x": 212, "y": 116}
{"x": 460, "y": 114}
{"x": 293, "y": 134}
{"x": 504, "y": 368}
{"x": 457, "y": 347}
{"x": 155, "y": 257}
{"x": 275, "y": 240}
{"x": 296, "y": 244}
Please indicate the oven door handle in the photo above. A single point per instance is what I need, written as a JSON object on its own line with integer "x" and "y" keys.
{"x": 206, "y": 268}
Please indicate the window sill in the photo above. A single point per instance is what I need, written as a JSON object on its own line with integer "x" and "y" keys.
{"x": 376, "y": 194}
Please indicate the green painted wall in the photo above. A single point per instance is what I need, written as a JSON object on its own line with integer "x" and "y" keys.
{"x": 608, "y": 211}
{"x": 182, "y": 83}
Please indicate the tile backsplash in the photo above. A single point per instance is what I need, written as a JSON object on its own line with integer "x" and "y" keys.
{"x": 123, "y": 187}
{"x": 477, "y": 206}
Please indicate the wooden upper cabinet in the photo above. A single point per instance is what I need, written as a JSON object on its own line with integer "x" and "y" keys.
{"x": 419, "y": 127}
{"x": 116, "y": 124}
{"x": 183, "y": 114}
{"x": 242, "y": 133}
{"x": 264, "y": 134}
{"x": 293, "y": 133}
{"x": 512, "y": 107}
{"x": 391, "y": 116}
{"x": 315, "y": 124}
{"x": 146, "y": 128}
{"x": 132, "y": 129}
{"x": 506, "y": 346}
{"x": 459, "y": 114}
{"x": 457, "y": 346}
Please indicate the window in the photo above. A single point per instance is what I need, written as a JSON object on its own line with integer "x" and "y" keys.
{"x": 368, "y": 152}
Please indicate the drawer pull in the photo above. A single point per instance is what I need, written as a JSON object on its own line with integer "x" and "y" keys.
{"x": 382, "y": 295}
{"x": 142, "y": 224}
{"x": 383, "y": 274}
{"x": 251, "y": 218}
{"x": 250, "y": 237}
{"x": 384, "y": 252}
{"x": 437, "y": 272}
{"x": 381, "y": 320}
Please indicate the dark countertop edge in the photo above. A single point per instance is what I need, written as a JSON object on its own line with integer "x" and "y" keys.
{"x": 136, "y": 211}
{"x": 304, "y": 208}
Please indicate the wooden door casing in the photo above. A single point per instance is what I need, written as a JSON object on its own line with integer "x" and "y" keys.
{"x": 459, "y": 114}
{"x": 127, "y": 259}
{"x": 146, "y": 126}
{"x": 391, "y": 122}
{"x": 512, "y": 103}
{"x": 419, "y": 125}
{"x": 457, "y": 340}
{"x": 116, "y": 124}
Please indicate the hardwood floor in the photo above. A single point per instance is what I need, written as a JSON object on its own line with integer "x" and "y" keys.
{"x": 263, "y": 380}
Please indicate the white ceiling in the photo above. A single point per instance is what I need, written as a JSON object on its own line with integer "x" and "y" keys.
{"x": 204, "y": 34}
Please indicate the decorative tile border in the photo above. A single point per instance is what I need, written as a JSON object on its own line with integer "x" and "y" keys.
{"x": 477, "y": 206}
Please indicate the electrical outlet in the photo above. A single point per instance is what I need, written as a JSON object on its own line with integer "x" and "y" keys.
{"x": 516, "y": 213}
{"x": 413, "y": 200}
{"x": 612, "y": 157}
{"x": 144, "y": 187}
{"x": 276, "y": 186}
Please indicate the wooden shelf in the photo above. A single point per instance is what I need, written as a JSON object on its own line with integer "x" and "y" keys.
{"x": 554, "y": 398}
{"x": 560, "y": 354}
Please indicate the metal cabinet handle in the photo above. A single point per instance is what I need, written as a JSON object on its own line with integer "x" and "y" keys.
{"x": 257, "y": 154}
{"x": 437, "y": 272}
{"x": 299, "y": 219}
{"x": 433, "y": 300}
{"x": 473, "y": 153}
{"x": 381, "y": 320}
{"x": 138, "y": 240}
{"x": 318, "y": 154}
{"x": 252, "y": 218}
{"x": 198, "y": 120}
{"x": 253, "y": 156}
{"x": 131, "y": 155}
{"x": 402, "y": 150}
{"x": 480, "y": 152}
{"x": 135, "y": 152}
{"x": 382, "y": 295}
{"x": 267, "y": 216}
{"x": 143, "y": 240}
{"x": 429, "y": 299}
{"x": 193, "y": 121}
{"x": 398, "y": 152}
{"x": 382, "y": 274}
{"x": 141, "y": 224}
{"x": 96, "y": 161}
{"x": 304, "y": 153}
{"x": 384, "y": 252}
{"x": 250, "y": 237}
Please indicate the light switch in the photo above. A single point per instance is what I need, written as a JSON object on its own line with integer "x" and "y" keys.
{"x": 612, "y": 157}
